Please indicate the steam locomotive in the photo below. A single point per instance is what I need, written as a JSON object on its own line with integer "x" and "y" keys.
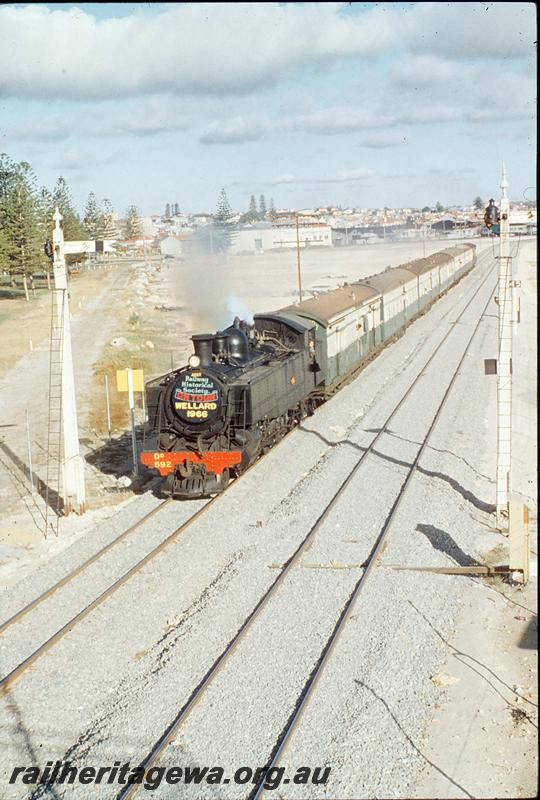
{"x": 247, "y": 386}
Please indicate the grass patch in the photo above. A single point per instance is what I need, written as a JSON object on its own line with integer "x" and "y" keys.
{"x": 111, "y": 361}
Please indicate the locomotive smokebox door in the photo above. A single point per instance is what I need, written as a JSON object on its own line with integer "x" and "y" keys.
{"x": 196, "y": 398}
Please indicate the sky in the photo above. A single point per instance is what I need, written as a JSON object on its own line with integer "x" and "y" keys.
{"x": 316, "y": 104}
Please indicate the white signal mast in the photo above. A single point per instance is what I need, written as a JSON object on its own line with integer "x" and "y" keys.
{"x": 72, "y": 465}
{"x": 504, "y": 361}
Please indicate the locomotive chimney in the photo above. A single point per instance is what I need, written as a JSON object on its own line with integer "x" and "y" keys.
{"x": 202, "y": 344}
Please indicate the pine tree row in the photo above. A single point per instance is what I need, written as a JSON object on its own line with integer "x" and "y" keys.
{"x": 26, "y": 218}
{"x": 254, "y": 214}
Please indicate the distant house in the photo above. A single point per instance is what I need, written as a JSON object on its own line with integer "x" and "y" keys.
{"x": 262, "y": 239}
{"x": 456, "y": 228}
{"x": 142, "y": 245}
{"x": 170, "y": 246}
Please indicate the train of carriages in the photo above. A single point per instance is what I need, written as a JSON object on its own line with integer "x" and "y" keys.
{"x": 245, "y": 387}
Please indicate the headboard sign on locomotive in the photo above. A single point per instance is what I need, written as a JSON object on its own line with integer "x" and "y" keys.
{"x": 247, "y": 386}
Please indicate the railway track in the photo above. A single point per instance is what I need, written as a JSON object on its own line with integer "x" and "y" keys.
{"x": 16, "y": 672}
{"x": 156, "y": 752}
{"x": 17, "y": 617}
{"x": 24, "y": 665}
{"x": 309, "y": 689}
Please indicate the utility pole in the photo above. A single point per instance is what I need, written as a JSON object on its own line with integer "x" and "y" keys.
{"x": 298, "y": 259}
{"x": 73, "y": 488}
{"x": 132, "y": 419}
{"x": 504, "y": 364}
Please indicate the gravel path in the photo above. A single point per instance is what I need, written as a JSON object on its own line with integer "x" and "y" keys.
{"x": 163, "y": 629}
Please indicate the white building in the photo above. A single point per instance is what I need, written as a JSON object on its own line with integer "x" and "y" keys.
{"x": 171, "y": 246}
{"x": 148, "y": 226}
{"x": 260, "y": 240}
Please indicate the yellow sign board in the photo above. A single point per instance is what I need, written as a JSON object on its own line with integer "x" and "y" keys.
{"x": 136, "y": 377}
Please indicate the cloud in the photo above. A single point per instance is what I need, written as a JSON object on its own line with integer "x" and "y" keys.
{"x": 346, "y": 176}
{"x": 441, "y": 176}
{"x": 234, "y": 131}
{"x": 282, "y": 179}
{"x": 323, "y": 122}
{"x": 341, "y": 176}
{"x": 340, "y": 119}
{"x": 480, "y": 79}
{"x": 418, "y": 90}
{"x": 193, "y": 66}
{"x": 382, "y": 140}
{"x": 140, "y": 117}
{"x": 41, "y": 129}
{"x": 234, "y": 49}
{"x": 186, "y": 48}
{"x": 74, "y": 160}
{"x": 471, "y": 30}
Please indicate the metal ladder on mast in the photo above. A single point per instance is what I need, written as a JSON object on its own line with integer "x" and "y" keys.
{"x": 53, "y": 476}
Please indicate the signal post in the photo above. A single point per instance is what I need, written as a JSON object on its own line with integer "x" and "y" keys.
{"x": 504, "y": 361}
{"x": 72, "y": 467}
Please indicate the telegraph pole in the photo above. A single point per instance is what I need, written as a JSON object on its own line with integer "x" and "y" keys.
{"x": 504, "y": 363}
{"x": 298, "y": 259}
{"x": 73, "y": 488}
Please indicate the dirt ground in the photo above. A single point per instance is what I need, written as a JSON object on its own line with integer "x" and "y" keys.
{"x": 483, "y": 729}
{"x": 25, "y": 326}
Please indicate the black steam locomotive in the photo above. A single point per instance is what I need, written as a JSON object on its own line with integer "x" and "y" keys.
{"x": 247, "y": 386}
{"x": 243, "y": 390}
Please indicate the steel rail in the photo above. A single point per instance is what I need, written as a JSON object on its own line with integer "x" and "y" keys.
{"x": 15, "y": 673}
{"x": 196, "y": 695}
{"x": 77, "y": 570}
{"x": 309, "y": 688}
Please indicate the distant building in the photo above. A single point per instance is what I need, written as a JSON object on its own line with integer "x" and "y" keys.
{"x": 171, "y": 246}
{"x": 523, "y": 221}
{"x": 344, "y": 237}
{"x": 200, "y": 219}
{"x": 148, "y": 226}
{"x": 143, "y": 245}
{"x": 448, "y": 225}
{"x": 260, "y": 240}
